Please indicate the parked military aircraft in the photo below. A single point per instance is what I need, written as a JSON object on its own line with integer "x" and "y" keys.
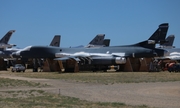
{"x": 4, "y": 40}
{"x": 100, "y": 55}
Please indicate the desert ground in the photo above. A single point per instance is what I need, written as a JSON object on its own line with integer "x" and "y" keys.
{"x": 152, "y": 94}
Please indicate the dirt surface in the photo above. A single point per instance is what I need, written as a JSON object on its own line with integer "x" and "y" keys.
{"x": 160, "y": 94}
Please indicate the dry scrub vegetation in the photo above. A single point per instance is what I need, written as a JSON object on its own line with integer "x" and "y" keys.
{"x": 105, "y": 77}
{"x": 34, "y": 96}
{"x": 41, "y": 99}
{"x": 8, "y": 83}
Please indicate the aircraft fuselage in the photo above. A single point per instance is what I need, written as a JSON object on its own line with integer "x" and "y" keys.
{"x": 122, "y": 51}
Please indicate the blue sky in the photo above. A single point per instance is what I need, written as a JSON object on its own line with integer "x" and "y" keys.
{"x": 78, "y": 21}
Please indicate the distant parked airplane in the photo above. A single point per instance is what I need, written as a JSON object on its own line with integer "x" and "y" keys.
{"x": 4, "y": 41}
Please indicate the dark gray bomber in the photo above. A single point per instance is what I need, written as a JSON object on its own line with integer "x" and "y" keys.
{"x": 101, "y": 55}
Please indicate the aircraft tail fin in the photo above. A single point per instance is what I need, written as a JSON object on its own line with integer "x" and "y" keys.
{"x": 106, "y": 42}
{"x": 98, "y": 40}
{"x": 169, "y": 41}
{"x": 56, "y": 41}
{"x": 7, "y": 36}
{"x": 157, "y": 37}
{"x": 160, "y": 34}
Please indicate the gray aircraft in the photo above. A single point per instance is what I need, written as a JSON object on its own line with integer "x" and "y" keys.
{"x": 100, "y": 55}
{"x": 4, "y": 41}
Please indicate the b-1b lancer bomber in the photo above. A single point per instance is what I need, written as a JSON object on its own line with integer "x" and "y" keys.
{"x": 100, "y": 55}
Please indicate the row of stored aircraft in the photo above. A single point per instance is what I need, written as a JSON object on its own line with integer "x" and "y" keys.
{"x": 98, "y": 50}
